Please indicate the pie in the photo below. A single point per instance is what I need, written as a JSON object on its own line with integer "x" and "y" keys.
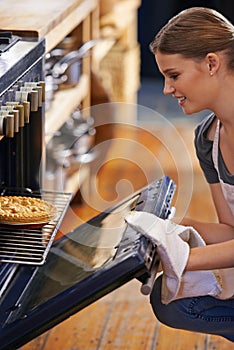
{"x": 25, "y": 210}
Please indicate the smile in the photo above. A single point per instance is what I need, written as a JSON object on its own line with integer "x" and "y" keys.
{"x": 181, "y": 100}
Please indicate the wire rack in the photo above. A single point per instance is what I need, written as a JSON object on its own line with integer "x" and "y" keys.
{"x": 31, "y": 245}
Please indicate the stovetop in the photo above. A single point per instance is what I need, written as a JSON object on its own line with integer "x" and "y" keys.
{"x": 7, "y": 40}
{"x": 16, "y": 58}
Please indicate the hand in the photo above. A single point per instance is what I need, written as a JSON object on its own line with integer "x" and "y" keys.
{"x": 173, "y": 245}
{"x": 173, "y": 251}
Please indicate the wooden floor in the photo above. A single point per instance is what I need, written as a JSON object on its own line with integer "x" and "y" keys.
{"x": 123, "y": 320}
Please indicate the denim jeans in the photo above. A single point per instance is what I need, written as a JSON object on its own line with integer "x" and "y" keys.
{"x": 200, "y": 314}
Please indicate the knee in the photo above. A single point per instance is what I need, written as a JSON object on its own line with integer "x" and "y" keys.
{"x": 163, "y": 313}
{"x": 155, "y": 300}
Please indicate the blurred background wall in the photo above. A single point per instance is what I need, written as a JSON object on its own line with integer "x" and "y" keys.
{"x": 153, "y": 14}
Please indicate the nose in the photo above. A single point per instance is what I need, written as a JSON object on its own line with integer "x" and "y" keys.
{"x": 168, "y": 88}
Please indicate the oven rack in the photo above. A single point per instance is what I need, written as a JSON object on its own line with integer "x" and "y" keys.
{"x": 31, "y": 245}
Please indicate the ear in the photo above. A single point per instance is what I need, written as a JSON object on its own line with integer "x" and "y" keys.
{"x": 213, "y": 62}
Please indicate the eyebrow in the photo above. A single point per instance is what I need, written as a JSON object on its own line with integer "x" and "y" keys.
{"x": 168, "y": 70}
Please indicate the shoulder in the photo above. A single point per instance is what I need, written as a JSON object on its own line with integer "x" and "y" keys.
{"x": 204, "y": 135}
{"x": 206, "y": 129}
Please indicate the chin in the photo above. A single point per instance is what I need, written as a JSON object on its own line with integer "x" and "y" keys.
{"x": 190, "y": 111}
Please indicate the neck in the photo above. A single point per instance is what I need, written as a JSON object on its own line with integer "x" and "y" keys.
{"x": 226, "y": 116}
{"x": 224, "y": 110}
{"x": 223, "y": 100}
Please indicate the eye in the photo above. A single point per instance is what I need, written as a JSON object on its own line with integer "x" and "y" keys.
{"x": 174, "y": 76}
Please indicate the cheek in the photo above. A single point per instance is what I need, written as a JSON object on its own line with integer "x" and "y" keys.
{"x": 196, "y": 84}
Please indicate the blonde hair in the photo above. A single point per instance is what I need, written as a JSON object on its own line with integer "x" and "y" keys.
{"x": 194, "y": 33}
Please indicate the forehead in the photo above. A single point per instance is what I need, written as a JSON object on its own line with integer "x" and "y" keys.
{"x": 167, "y": 63}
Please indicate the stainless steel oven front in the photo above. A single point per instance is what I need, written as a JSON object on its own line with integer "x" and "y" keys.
{"x": 22, "y": 150}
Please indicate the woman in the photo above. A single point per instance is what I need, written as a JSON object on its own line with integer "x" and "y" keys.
{"x": 194, "y": 52}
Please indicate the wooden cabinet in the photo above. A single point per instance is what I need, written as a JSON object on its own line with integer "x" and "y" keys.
{"x": 120, "y": 67}
{"x": 110, "y": 73}
{"x": 54, "y": 20}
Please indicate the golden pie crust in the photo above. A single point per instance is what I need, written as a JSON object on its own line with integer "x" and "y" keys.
{"x": 25, "y": 210}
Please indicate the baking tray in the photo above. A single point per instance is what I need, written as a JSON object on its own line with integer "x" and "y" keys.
{"x": 30, "y": 244}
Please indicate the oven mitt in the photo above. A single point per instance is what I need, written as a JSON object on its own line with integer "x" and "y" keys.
{"x": 173, "y": 245}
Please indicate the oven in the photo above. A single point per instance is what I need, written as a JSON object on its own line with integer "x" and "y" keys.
{"x": 44, "y": 281}
{"x": 21, "y": 116}
{"x": 22, "y": 147}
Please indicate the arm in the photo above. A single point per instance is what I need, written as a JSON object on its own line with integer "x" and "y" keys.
{"x": 219, "y": 253}
{"x": 211, "y": 232}
{"x": 215, "y": 232}
{"x": 215, "y": 256}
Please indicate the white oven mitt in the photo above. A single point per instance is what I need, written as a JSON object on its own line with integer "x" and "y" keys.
{"x": 173, "y": 245}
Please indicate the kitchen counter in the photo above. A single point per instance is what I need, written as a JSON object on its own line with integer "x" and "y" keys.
{"x": 51, "y": 20}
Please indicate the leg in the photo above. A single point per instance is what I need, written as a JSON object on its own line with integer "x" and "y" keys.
{"x": 201, "y": 314}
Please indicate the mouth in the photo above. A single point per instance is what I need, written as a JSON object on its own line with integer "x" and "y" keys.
{"x": 181, "y": 100}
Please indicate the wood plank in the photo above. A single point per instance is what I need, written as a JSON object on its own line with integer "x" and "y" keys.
{"x": 215, "y": 342}
{"x": 51, "y": 20}
{"x": 134, "y": 329}
{"x": 82, "y": 331}
{"x": 64, "y": 103}
{"x": 174, "y": 339}
{"x": 70, "y": 22}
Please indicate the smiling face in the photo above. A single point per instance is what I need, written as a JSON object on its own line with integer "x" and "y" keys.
{"x": 187, "y": 80}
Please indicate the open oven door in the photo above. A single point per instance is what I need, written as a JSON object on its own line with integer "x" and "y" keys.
{"x": 81, "y": 267}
